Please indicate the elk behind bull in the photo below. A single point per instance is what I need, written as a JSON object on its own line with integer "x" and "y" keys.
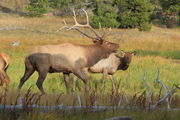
{"x": 109, "y": 66}
{"x": 68, "y": 57}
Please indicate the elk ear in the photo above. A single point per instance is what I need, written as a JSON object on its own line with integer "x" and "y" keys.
{"x": 123, "y": 53}
{"x": 98, "y": 41}
{"x": 133, "y": 53}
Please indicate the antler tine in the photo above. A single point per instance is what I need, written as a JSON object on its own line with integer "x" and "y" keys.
{"x": 74, "y": 17}
{"x": 88, "y": 25}
{"x": 65, "y": 26}
{"x": 87, "y": 17}
{"x": 105, "y": 35}
{"x": 84, "y": 34}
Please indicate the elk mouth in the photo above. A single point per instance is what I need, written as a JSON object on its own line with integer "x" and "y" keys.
{"x": 124, "y": 67}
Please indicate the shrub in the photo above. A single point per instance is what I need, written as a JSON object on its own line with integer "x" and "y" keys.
{"x": 134, "y": 13}
{"x": 37, "y": 8}
{"x": 105, "y": 14}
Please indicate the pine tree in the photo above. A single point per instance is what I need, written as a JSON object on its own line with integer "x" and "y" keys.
{"x": 134, "y": 13}
{"x": 105, "y": 14}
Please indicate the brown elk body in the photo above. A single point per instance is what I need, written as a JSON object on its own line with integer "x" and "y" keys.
{"x": 67, "y": 58}
{"x": 4, "y": 63}
{"x": 110, "y": 65}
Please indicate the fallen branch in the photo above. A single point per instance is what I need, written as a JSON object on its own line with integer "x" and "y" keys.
{"x": 167, "y": 93}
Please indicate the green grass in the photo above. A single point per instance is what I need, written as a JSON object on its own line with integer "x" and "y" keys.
{"x": 167, "y": 54}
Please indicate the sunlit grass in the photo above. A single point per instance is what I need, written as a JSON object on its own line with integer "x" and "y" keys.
{"x": 149, "y": 46}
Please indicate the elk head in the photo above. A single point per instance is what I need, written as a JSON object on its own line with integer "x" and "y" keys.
{"x": 125, "y": 59}
{"x": 98, "y": 39}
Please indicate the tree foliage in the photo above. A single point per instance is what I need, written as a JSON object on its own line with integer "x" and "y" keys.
{"x": 105, "y": 14}
{"x": 171, "y": 12}
{"x": 37, "y": 8}
{"x": 114, "y": 13}
{"x": 134, "y": 13}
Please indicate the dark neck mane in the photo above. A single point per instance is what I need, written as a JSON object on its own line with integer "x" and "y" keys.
{"x": 123, "y": 64}
{"x": 95, "y": 53}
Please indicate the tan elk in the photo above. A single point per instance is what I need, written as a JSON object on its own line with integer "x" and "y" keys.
{"x": 68, "y": 57}
{"x": 109, "y": 66}
{"x": 4, "y": 63}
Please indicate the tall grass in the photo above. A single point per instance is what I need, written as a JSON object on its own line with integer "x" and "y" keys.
{"x": 167, "y": 54}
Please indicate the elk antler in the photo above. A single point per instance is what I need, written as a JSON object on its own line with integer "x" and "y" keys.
{"x": 77, "y": 25}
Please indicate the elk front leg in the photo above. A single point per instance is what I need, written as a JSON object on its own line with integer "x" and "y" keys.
{"x": 104, "y": 77}
{"x": 113, "y": 84}
{"x": 66, "y": 79}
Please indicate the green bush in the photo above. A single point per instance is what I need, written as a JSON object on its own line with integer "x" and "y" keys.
{"x": 105, "y": 14}
{"x": 37, "y": 8}
{"x": 134, "y": 13}
{"x": 171, "y": 12}
{"x": 145, "y": 27}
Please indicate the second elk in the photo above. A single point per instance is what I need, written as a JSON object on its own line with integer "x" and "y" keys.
{"x": 109, "y": 66}
{"x": 68, "y": 57}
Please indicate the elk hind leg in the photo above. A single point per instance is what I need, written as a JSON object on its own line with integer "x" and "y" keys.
{"x": 28, "y": 72}
{"x": 4, "y": 78}
{"x": 41, "y": 78}
{"x": 1, "y": 79}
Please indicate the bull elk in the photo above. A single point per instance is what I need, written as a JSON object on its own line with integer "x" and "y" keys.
{"x": 68, "y": 57}
{"x": 109, "y": 66}
{"x": 4, "y": 63}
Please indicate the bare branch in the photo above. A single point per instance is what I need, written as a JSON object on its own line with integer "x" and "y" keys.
{"x": 167, "y": 93}
{"x": 165, "y": 98}
{"x": 149, "y": 91}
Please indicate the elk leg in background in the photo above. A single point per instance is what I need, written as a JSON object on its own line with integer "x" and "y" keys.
{"x": 74, "y": 82}
{"x": 104, "y": 77}
{"x": 113, "y": 84}
{"x": 66, "y": 79}
{"x": 81, "y": 74}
